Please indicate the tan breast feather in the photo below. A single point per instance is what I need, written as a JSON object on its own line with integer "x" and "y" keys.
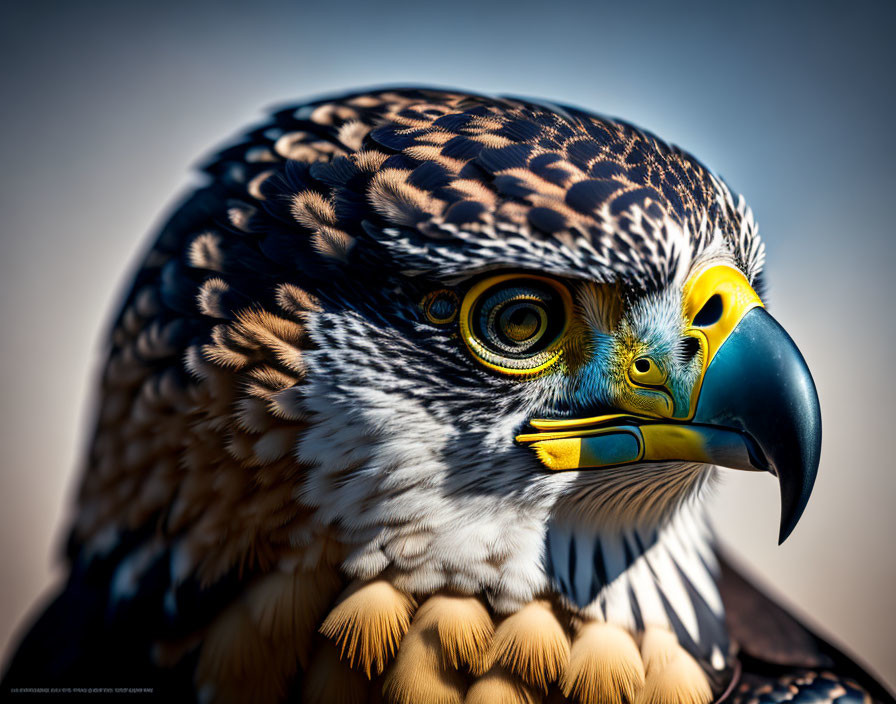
{"x": 374, "y": 643}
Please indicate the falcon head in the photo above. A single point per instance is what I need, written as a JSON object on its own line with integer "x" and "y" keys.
{"x": 552, "y": 315}
{"x": 484, "y": 348}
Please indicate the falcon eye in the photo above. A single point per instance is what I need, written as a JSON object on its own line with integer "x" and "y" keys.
{"x": 440, "y": 307}
{"x": 515, "y": 323}
{"x": 646, "y": 372}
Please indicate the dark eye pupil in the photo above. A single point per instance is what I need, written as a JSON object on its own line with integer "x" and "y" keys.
{"x": 521, "y": 324}
{"x": 442, "y": 307}
{"x": 642, "y": 365}
{"x": 521, "y": 317}
{"x": 518, "y": 320}
{"x": 710, "y": 312}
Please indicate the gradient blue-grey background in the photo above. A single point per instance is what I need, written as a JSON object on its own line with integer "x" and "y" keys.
{"x": 104, "y": 107}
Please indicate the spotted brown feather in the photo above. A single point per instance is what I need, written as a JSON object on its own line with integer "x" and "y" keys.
{"x": 213, "y": 541}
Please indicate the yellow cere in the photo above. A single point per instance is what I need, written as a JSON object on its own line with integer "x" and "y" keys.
{"x": 725, "y": 292}
{"x": 736, "y": 299}
{"x": 716, "y": 298}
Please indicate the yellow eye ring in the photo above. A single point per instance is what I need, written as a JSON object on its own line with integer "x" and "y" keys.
{"x": 517, "y": 367}
{"x": 644, "y": 371}
{"x": 440, "y": 307}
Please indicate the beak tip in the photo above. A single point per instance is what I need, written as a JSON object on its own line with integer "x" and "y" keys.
{"x": 796, "y": 486}
{"x": 793, "y": 503}
{"x": 788, "y": 525}
{"x": 778, "y": 409}
{"x": 785, "y": 531}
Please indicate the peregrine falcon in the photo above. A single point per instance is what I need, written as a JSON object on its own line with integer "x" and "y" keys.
{"x": 417, "y": 400}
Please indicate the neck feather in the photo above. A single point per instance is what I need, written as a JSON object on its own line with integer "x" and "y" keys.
{"x": 640, "y": 577}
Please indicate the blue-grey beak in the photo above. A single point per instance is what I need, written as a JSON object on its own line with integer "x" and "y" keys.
{"x": 759, "y": 385}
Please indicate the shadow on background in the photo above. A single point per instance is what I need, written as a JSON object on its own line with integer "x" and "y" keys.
{"x": 107, "y": 105}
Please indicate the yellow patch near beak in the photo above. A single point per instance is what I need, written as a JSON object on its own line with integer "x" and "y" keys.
{"x": 651, "y": 442}
{"x": 716, "y": 299}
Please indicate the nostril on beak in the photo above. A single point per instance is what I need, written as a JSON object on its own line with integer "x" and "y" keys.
{"x": 690, "y": 346}
{"x": 710, "y": 313}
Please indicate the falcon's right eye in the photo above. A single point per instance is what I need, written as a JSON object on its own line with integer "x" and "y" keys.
{"x": 515, "y": 323}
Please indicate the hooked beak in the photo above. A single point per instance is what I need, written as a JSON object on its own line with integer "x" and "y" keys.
{"x": 759, "y": 386}
{"x": 756, "y": 408}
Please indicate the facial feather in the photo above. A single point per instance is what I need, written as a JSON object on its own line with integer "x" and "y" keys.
{"x": 294, "y": 405}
